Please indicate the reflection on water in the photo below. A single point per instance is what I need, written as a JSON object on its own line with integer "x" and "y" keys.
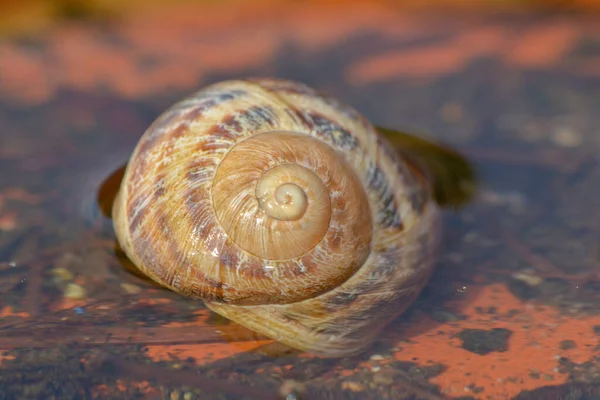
{"x": 512, "y": 307}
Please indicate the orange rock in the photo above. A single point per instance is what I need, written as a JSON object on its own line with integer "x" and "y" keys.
{"x": 534, "y": 346}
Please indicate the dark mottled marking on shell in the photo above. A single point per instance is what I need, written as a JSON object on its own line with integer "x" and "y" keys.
{"x": 210, "y": 145}
{"x": 180, "y": 130}
{"x": 258, "y": 116}
{"x": 341, "y": 299}
{"x": 173, "y": 251}
{"x": 331, "y": 131}
{"x": 175, "y": 120}
{"x": 254, "y": 267}
{"x": 224, "y": 128}
{"x": 216, "y": 291}
{"x": 159, "y": 191}
{"x": 388, "y": 215}
{"x": 381, "y": 306}
{"x": 135, "y": 217}
{"x": 207, "y": 102}
{"x": 142, "y": 247}
{"x": 218, "y": 286}
{"x": 298, "y": 116}
{"x": 417, "y": 198}
{"x": 204, "y": 225}
{"x": 244, "y": 120}
{"x": 200, "y": 170}
{"x": 229, "y": 256}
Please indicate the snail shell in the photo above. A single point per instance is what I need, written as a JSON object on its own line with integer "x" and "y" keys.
{"x": 283, "y": 210}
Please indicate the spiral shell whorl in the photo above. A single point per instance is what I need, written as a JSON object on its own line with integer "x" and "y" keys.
{"x": 283, "y": 210}
{"x": 317, "y": 172}
{"x": 191, "y": 216}
{"x": 285, "y": 201}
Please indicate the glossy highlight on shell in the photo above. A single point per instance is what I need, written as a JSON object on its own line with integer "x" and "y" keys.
{"x": 283, "y": 210}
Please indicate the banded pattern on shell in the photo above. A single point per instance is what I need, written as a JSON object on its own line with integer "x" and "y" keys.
{"x": 283, "y": 210}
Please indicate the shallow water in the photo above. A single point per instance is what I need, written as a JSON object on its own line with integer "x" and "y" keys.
{"x": 512, "y": 311}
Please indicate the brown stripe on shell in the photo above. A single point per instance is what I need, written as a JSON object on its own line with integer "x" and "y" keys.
{"x": 200, "y": 170}
{"x": 244, "y": 121}
{"x": 160, "y": 186}
{"x": 146, "y": 251}
{"x": 253, "y": 267}
{"x": 174, "y": 122}
{"x": 209, "y": 145}
{"x": 179, "y": 130}
{"x": 298, "y": 116}
{"x": 215, "y": 290}
{"x": 170, "y": 250}
{"x": 225, "y": 128}
{"x": 200, "y": 209}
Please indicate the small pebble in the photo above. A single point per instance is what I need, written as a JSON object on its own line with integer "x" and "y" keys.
{"x": 131, "y": 288}
{"x": 63, "y": 274}
{"x": 291, "y": 389}
{"x": 353, "y": 386}
{"x": 531, "y": 280}
{"x": 74, "y": 291}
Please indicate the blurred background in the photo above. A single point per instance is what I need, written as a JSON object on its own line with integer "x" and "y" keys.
{"x": 18, "y": 17}
{"x": 30, "y": 15}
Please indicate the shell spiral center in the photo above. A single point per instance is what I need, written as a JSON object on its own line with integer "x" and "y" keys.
{"x": 271, "y": 196}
